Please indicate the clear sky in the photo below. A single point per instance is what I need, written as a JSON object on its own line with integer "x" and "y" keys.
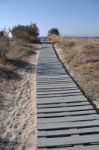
{"x": 71, "y": 17}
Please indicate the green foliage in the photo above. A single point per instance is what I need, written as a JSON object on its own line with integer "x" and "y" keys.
{"x": 54, "y": 31}
{"x": 27, "y": 33}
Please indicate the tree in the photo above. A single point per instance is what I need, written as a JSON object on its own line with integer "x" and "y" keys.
{"x": 54, "y": 31}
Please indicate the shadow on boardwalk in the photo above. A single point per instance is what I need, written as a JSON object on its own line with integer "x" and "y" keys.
{"x": 49, "y": 69}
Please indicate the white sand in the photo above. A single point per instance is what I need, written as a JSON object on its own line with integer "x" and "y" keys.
{"x": 18, "y": 111}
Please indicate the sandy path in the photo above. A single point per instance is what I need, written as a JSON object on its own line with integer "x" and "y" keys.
{"x": 18, "y": 109}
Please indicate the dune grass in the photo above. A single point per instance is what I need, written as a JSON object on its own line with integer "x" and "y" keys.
{"x": 14, "y": 55}
{"x": 82, "y": 57}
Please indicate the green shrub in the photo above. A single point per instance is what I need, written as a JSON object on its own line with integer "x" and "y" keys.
{"x": 54, "y": 31}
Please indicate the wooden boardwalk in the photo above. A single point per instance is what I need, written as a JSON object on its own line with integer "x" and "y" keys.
{"x": 66, "y": 119}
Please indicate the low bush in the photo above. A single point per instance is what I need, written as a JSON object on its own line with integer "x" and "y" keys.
{"x": 53, "y": 31}
{"x": 27, "y": 33}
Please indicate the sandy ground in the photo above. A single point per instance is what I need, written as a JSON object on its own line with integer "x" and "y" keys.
{"x": 18, "y": 108}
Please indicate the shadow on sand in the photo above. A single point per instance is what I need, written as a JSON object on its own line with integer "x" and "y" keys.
{"x": 19, "y": 64}
{"x": 6, "y": 144}
{"x": 9, "y": 75}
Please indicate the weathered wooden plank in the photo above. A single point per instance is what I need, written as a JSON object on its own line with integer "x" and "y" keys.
{"x": 61, "y": 133}
{"x": 59, "y": 95}
{"x": 64, "y": 125}
{"x": 69, "y": 118}
{"x": 64, "y": 109}
{"x": 65, "y": 141}
{"x": 78, "y": 147}
{"x": 57, "y": 89}
{"x": 54, "y": 81}
{"x": 76, "y": 113}
{"x": 57, "y": 92}
{"x": 55, "y": 86}
{"x": 63, "y": 105}
{"x": 78, "y": 98}
{"x": 57, "y": 78}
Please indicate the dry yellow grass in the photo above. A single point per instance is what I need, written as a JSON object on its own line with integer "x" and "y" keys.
{"x": 82, "y": 56}
{"x": 20, "y": 49}
{"x": 15, "y": 55}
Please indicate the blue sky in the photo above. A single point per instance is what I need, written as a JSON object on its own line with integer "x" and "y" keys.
{"x": 71, "y": 17}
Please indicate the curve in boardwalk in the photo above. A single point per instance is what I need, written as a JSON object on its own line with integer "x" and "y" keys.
{"x": 66, "y": 119}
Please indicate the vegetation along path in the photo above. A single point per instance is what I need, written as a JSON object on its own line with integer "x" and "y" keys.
{"x": 66, "y": 119}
